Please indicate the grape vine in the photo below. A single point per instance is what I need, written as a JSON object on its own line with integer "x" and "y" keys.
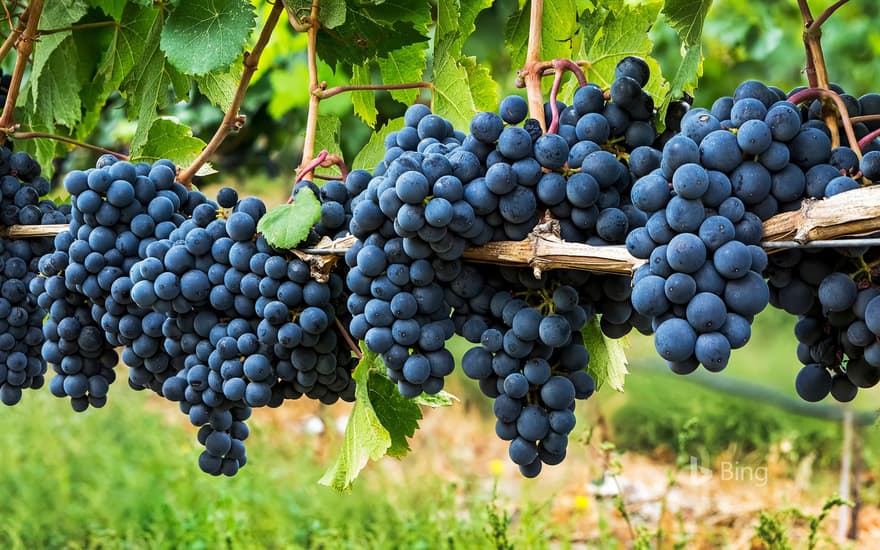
{"x": 538, "y": 230}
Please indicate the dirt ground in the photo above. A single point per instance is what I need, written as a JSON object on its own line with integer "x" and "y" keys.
{"x": 697, "y": 506}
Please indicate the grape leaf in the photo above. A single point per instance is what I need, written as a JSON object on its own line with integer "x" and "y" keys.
{"x": 113, "y": 8}
{"x": 623, "y": 32}
{"x": 332, "y": 13}
{"x": 146, "y": 85}
{"x": 468, "y": 12}
{"x": 483, "y": 89}
{"x": 62, "y": 13}
{"x": 380, "y": 423}
{"x": 371, "y": 154}
{"x": 125, "y": 47}
{"x": 287, "y": 225}
{"x": 365, "y": 437}
{"x": 402, "y": 66}
{"x": 374, "y": 31}
{"x": 56, "y": 15}
{"x": 399, "y": 415}
{"x": 220, "y": 87}
{"x": 167, "y": 139}
{"x": 441, "y": 399}
{"x": 327, "y": 139}
{"x": 607, "y": 356}
{"x": 201, "y": 36}
{"x": 363, "y": 102}
{"x": 56, "y": 85}
{"x": 452, "y": 97}
{"x": 559, "y": 31}
{"x": 686, "y": 18}
{"x": 685, "y": 80}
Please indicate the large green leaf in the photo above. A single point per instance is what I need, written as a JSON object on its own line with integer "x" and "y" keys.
{"x": 379, "y": 424}
{"x": 686, "y": 17}
{"x": 452, "y": 97}
{"x": 484, "y": 90}
{"x": 607, "y": 357}
{"x": 220, "y": 87}
{"x": 201, "y": 36}
{"x": 371, "y": 154}
{"x": 167, "y": 139}
{"x": 146, "y": 86}
{"x": 287, "y": 225}
{"x": 399, "y": 415}
{"x": 685, "y": 79}
{"x": 125, "y": 47}
{"x": 365, "y": 437}
{"x": 58, "y": 14}
{"x": 113, "y": 8}
{"x": 374, "y": 31}
{"x": 623, "y": 32}
{"x": 56, "y": 85}
{"x": 331, "y": 13}
{"x": 148, "y": 83}
{"x": 403, "y": 66}
{"x": 364, "y": 101}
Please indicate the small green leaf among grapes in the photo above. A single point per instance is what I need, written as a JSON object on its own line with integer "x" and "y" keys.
{"x": 287, "y": 225}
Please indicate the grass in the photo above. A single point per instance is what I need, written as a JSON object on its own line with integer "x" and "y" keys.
{"x": 126, "y": 477}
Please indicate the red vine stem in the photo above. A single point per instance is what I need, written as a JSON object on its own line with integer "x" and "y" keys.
{"x": 325, "y": 160}
{"x": 232, "y": 121}
{"x": 554, "y": 108}
{"x": 818, "y": 93}
{"x": 336, "y": 160}
{"x": 348, "y": 339}
{"x": 90, "y": 147}
{"x": 559, "y": 68}
{"x": 311, "y": 165}
{"x": 532, "y": 71}
{"x": 865, "y": 141}
{"x": 25, "y": 48}
{"x": 324, "y": 93}
{"x": 569, "y": 65}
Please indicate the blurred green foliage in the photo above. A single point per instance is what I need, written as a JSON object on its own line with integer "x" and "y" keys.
{"x": 742, "y": 40}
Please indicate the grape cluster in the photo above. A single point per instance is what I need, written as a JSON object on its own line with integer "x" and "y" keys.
{"x": 838, "y": 339}
{"x": 119, "y": 210}
{"x": 531, "y": 361}
{"x": 21, "y": 313}
{"x": 703, "y": 283}
{"x": 282, "y": 321}
{"x": 413, "y": 220}
{"x": 251, "y": 323}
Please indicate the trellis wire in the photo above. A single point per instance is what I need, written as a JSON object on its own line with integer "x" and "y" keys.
{"x": 842, "y": 243}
